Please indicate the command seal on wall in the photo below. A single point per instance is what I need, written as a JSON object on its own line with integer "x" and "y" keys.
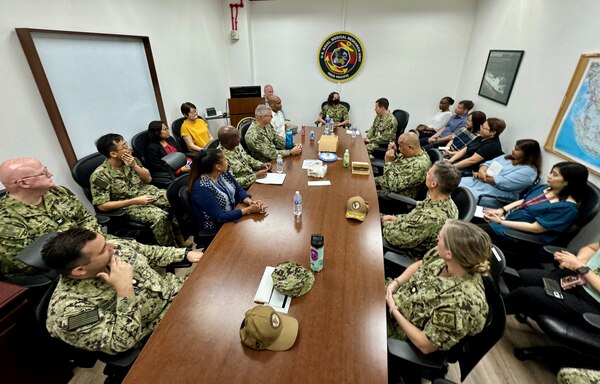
{"x": 340, "y": 57}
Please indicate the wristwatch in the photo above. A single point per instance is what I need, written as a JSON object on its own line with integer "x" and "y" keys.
{"x": 583, "y": 270}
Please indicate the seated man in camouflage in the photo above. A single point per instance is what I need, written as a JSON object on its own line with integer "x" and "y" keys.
{"x": 416, "y": 231}
{"x": 122, "y": 182}
{"x": 384, "y": 126}
{"x": 34, "y": 206}
{"x": 404, "y": 173}
{"x": 108, "y": 298}
{"x": 244, "y": 168}
{"x": 262, "y": 141}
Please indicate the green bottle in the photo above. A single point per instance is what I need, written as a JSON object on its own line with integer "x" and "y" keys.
{"x": 346, "y": 162}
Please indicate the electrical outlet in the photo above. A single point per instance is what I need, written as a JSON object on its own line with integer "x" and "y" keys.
{"x": 235, "y": 35}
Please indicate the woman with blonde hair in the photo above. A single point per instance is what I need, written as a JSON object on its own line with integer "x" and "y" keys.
{"x": 441, "y": 299}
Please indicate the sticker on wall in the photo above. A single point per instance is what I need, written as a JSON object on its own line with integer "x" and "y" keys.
{"x": 340, "y": 57}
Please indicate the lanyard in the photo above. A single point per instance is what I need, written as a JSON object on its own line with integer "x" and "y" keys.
{"x": 536, "y": 200}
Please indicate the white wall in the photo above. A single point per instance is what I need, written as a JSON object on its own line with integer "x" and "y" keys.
{"x": 414, "y": 52}
{"x": 553, "y": 35}
{"x": 188, "y": 44}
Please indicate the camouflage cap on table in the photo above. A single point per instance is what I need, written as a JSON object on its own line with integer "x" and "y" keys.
{"x": 292, "y": 279}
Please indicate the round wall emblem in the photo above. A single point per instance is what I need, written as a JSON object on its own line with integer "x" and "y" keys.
{"x": 340, "y": 57}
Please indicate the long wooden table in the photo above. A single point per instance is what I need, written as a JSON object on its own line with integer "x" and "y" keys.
{"x": 342, "y": 334}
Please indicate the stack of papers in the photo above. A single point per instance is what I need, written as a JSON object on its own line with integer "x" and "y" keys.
{"x": 272, "y": 178}
{"x": 266, "y": 294}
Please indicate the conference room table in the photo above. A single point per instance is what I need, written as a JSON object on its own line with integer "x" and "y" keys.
{"x": 342, "y": 319}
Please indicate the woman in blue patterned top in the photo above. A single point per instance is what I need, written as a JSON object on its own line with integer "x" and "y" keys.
{"x": 215, "y": 193}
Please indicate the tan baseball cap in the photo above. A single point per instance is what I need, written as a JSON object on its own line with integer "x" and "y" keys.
{"x": 265, "y": 328}
{"x": 357, "y": 208}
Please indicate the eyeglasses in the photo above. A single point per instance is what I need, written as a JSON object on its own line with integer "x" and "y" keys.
{"x": 125, "y": 146}
{"x": 165, "y": 129}
{"x": 45, "y": 172}
{"x": 193, "y": 112}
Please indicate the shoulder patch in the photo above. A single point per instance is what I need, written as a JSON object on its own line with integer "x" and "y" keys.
{"x": 89, "y": 317}
{"x": 100, "y": 183}
{"x": 12, "y": 232}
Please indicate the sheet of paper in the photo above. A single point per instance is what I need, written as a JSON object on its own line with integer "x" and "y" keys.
{"x": 272, "y": 178}
{"x": 266, "y": 294}
{"x": 319, "y": 183}
{"x": 479, "y": 211}
{"x": 494, "y": 168}
{"x": 307, "y": 164}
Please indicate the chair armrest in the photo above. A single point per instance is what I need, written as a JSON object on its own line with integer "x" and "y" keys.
{"x": 175, "y": 160}
{"x": 523, "y": 236}
{"x": 410, "y": 353}
{"x": 402, "y": 198}
{"x": 30, "y": 281}
{"x": 552, "y": 249}
{"x": 500, "y": 199}
{"x": 592, "y": 319}
{"x": 398, "y": 259}
{"x": 116, "y": 213}
{"x": 102, "y": 219}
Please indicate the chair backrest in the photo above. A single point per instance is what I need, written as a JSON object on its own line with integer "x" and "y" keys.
{"x": 176, "y": 132}
{"x": 213, "y": 144}
{"x": 139, "y": 144}
{"x": 402, "y": 118}
{"x": 590, "y": 205}
{"x": 83, "y": 169}
{"x": 590, "y": 233}
{"x": 472, "y": 348}
{"x": 434, "y": 155}
{"x": 465, "y": 202}
{"x": 243, "y": 126}
{"x": 497, "y": 265}
{"x": 180, "y": 202}
{"x": 345, "y": 104}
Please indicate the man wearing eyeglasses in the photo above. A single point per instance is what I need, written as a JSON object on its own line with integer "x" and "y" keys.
{"x": 122, "y": 182}
{"x": 262, "y": 141}
{"x": 34, "y": 206}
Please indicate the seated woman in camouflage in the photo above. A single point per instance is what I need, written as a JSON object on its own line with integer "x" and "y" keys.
{"x": 441, "y": 299}
{"x": 336, "y": 111}
{"x": 215, "y": 193}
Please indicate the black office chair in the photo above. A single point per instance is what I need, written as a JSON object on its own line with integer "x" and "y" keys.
{"x": 401, "y": 117}
{"x": 180, "y": 201}
{"x": 31, "y": 256}
{"x": 345, "y": 104}
{"x": 502, "y": 201}
{"x": 467, "y": 352}
{"x": 213, "y": 144}
{"x": 176, "y": 133}
{"x": 119, "y": 222}
{"x": 434, "y": 155}
{"x": 243, "y": 126}
{"x": 139, "y": 144}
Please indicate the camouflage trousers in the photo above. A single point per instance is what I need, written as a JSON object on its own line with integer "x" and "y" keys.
{"x": 578, "y": 376}
{"x": 159, "y": 220}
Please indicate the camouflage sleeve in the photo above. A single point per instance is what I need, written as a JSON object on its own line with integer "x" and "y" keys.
{"x": 323, "y": 112}
{"x": 263, "y": 148}
{"x": 399, "y": 176}
{"x": 246, "y": 180}
{"x": 255, "y": 164}
{"x": 371, "y": 132}
{"x": 577, "y": 376}
{"x": 158, "y": 256}
{"x": 345, "y": 114}
{"x": 389, "y": 129}
{"x": 82, "y": 216}
{"x": 100, "y": 188}
{"x": 13, "y": 239}
{"x": 279, "y": 142}
{"x": 408, "y": 231}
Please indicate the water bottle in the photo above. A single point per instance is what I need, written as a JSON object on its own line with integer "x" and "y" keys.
{"x": 354, "y": 132}
{"x": 302, "y": 131}
{"x": 312, "y": 135}
{"x": 289, "y": 139}
{"x": 346, "y": 161}
{"x": 316, "y": 252}
{"x": 297, "y": 204}
{"x": 279, "y": 164}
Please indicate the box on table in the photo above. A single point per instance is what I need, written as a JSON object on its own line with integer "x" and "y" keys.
{"x": 361, "y": 168}
{"x": 328, "y": 144}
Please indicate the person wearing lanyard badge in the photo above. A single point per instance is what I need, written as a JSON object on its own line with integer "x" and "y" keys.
{"x": 545, "y": 211}
{"x": 215, "y": 193}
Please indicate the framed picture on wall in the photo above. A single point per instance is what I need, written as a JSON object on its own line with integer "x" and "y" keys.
{"x": 575, "y": 134}
{"x": 500, "y": 74}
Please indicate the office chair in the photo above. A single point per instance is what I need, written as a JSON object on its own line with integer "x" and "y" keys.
{"x": 180, "y": 201}
{"x": 176, "y": 133}
{"x": 243, "y": 126}
{"x": 139, "y": 144}
{"x": 119, "y": 222}
{"x": 31, "y": 256}
{"x": 434, "y": 155}
{"x": 467, "y": 352}
{"x": 345, "y": 104}
{"x": 160, "y": 179}
{"x": 213, "y": 144}
{"x": 492, "y": 201}
{"x": 401, "y": 117}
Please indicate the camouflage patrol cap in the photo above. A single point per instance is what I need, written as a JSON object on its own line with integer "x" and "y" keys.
{"x": 265, "y": 328}
{"x": 292, "y": 279}
{"x": 357, "y": 208}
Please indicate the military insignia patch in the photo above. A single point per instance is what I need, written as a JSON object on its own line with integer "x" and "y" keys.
{"x": 340, "y": 57}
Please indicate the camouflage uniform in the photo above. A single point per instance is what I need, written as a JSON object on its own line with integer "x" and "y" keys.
{"x": 264, "y": 144}
{"x": 446, "y": 308}
{"x": 416, "y": 231}
{"x": 383, "y": 129}
{"x": 241, "y": 165}
{"x": 578, "y": 376}
{"x": 21, "y": 224}
{"x": 110, "y": 184}
{"x": 121, "y": 322}
{"x": 337, "y": 113}
{"x": 404, "y": 175}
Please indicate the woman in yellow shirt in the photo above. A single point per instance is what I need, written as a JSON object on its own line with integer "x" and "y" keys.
{"x": 194, "y": 130}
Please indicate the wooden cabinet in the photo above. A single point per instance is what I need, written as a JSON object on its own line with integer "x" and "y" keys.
{"x": 243, "y": 107}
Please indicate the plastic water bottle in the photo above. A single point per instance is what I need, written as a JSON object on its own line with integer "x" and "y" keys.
{"x": 346, "y": 161}
{"x": 354, "y": 132}
{"x": 297, "y": 204}
{"x": 316, "y": 252}
{"x": 279, "y": 164}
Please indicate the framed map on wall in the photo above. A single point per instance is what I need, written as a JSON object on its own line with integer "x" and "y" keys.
{"x": 575, "y": 134}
